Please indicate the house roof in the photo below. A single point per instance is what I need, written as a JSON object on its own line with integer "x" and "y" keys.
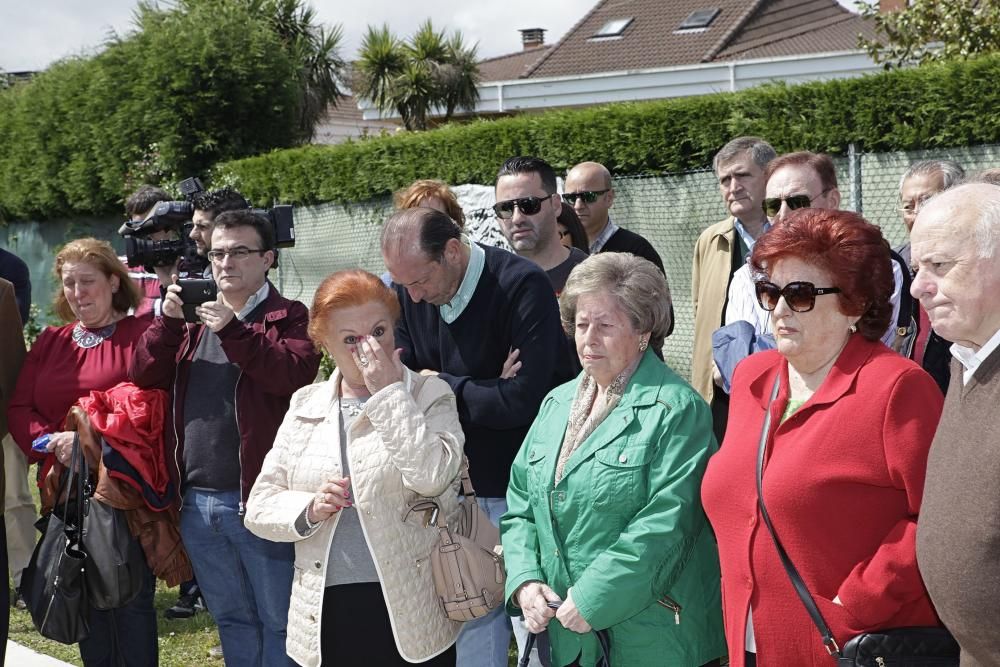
{"x": 742, "y": 29}
{"x": 512, "y": 65}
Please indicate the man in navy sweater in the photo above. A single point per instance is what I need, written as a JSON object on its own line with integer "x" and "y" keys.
{"x": 464, "y": 308}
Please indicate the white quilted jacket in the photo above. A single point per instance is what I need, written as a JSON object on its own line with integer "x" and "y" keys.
{"x": 407, "y": 444}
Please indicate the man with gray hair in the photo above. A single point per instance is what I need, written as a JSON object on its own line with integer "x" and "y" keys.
{"x": 722, "y": 249}
{"x": 921, "y": 181}
{"x": 955, "y": 243}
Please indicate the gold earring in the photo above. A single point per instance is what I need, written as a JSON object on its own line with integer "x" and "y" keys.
{"x": 643, "y": 344}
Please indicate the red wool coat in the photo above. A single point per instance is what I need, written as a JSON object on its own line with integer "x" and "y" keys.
{"x": 843, "y": 480}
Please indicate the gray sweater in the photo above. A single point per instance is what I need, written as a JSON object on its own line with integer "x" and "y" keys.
{"x": 958, "y": 534}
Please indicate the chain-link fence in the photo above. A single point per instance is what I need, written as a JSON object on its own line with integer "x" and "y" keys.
{"x": 670, "y": 211}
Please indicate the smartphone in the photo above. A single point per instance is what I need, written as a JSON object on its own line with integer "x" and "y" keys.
{"x": 194, "y": 292}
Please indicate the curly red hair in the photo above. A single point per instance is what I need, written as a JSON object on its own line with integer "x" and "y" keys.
{"x": 344, "y": 289}
{"x": 845, "y": 245}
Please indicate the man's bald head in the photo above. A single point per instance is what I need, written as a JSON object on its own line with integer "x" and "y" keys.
{"x": 590, "y": 180}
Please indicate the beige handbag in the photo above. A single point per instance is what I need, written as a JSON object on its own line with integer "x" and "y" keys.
{"x": 467, "y": 559}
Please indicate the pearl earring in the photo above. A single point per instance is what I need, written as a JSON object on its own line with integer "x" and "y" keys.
{"x": 853, "y": 328}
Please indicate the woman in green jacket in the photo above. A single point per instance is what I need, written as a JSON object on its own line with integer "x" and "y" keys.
{"x": 605, "y": 517}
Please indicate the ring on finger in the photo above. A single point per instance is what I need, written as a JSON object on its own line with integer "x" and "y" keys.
{"x": 363, "y": 360}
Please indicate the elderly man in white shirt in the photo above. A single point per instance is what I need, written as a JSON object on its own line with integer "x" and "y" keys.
{"x": 795, "y": 180}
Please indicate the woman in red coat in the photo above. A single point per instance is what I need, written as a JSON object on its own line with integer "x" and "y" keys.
{"x": 845, "y": 457}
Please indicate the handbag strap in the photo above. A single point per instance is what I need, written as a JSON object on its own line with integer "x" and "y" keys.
{"x": 75, "y": 487}
{"x": 800, "y": 586}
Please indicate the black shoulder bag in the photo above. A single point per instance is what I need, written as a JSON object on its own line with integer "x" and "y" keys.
{"x": 53, "y": 584}
{"x": 902, "y": 647}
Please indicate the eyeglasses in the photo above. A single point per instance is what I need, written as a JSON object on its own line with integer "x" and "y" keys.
{"x": 588, "y": 196}
{"x": 799, "y": 295}
{"x": 237, "y": 254}
{"x": 773, "y": 205}
{"x": 527, "y": 205}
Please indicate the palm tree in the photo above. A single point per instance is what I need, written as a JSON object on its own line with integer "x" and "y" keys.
{"x": 413, "y": 78}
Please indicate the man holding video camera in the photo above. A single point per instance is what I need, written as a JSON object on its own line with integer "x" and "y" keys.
{"x": 231, "y": 377}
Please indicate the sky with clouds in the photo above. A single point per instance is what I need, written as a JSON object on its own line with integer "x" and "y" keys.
{"x": 42, "y": 31}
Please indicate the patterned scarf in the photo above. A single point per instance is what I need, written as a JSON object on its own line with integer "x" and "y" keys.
{"x": 585, "y": 417}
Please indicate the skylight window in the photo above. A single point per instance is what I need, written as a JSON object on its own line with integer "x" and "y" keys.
{"x": 699, "y": 19}
{"x": 614, "y": 28}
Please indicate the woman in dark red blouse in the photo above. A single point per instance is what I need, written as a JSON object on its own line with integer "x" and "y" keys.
{"x": 92, "y": 352}
{"x": 845, "y": 455}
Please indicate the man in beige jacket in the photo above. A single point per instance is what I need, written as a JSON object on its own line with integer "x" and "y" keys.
{"x": 739, "y": 167}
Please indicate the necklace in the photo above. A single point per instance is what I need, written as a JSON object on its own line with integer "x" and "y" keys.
{"x": 87, "y": 338}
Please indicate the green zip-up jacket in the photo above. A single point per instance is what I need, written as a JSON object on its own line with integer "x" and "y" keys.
{"x": 626, "y": 520}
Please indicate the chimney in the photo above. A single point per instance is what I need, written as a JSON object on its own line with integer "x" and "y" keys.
{"x": 887, "y": 6}
{"x": 534, "y": 37}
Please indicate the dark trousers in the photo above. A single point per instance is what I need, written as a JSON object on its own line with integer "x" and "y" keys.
{"x": 124, "y": 637}
{"x": 356, "y": 630}
{"x": 751, "y": 659}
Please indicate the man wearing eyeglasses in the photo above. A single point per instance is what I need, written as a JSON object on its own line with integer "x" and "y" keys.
{"x": 720, "y": 251}
{"x": 921, "y": 181}
{"x": 527, "y": 208}
{"x": 231, "y": 378}
{"x": 794, "y": 181}
{"x": 588, "y": 190}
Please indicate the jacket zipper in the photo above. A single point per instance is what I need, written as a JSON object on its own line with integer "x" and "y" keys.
{"x": 177, "y": 437}
{"x": 239, "y": 433}
{"x": 672, "y": 605}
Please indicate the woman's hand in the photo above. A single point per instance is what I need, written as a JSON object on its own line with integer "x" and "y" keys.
{"x": 533, "y": 598}
{"x": 378, "y": 368}
{"x": 61, "y": 444}
{"x": 329, "y": 500}
{"x": 569, "y": 616}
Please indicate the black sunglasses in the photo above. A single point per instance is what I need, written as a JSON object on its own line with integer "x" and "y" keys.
{"x": 799, "y": 295}
{"x": 588, "y": 196}
{"x": 773, "y": 205}
{"x": 527, "y": 205}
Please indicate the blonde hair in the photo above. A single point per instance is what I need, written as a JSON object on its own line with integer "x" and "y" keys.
{"x": 101, "y": 255}
{"x": 426, "y": 188}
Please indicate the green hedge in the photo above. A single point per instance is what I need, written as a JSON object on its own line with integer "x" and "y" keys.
{"x": 933, "y": 106}
{"x": 188, "y": 89}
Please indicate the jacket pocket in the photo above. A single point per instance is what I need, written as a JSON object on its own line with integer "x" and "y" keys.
{"x": 619, "y": 478}
{"x": 537, "y": 484}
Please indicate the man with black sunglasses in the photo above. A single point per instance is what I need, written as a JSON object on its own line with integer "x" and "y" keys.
{"x": 588, "y": 190}
{"x": 794, "y": 181}
{"x": 526, "y": 209}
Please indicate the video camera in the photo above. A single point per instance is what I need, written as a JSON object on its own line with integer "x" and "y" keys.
{"x": 176, "y": 216}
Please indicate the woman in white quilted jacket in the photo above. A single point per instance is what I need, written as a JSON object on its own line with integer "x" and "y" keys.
{"x": 352, "y": 454}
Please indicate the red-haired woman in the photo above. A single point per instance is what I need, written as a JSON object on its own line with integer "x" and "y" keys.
{"x": 845, "y": 453}
{"x": 429, "y": 193}
{"x": 352, "y": 454}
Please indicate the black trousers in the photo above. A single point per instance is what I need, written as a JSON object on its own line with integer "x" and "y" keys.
{"x": 356, "y": 630}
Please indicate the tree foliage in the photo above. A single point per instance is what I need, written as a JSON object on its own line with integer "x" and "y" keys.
{"x": 927, "y": 30}
{"x": 196, "y": 83}
{"x": 937, "y": 106}
{"x": 430, "y": 71}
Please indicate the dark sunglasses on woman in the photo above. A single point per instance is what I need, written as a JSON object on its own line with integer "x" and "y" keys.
{"x": 799, "y": 295}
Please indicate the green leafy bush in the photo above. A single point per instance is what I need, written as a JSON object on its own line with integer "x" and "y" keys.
{"x": 186, "y": 90}
{"x": 933, "y": 106}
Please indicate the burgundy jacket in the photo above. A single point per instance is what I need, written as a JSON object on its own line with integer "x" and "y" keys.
{"x": 275, "y": 355}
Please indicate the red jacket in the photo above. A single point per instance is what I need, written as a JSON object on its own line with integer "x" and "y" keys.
{"x": 843, "y": 480}
{"x": 275, "y": 355}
